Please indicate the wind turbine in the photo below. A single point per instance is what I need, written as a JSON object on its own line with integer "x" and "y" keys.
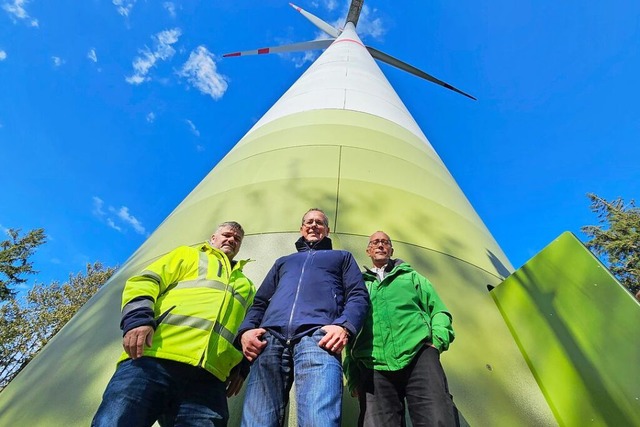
{"x": 334, "y": 33}
{"x": 322, "y": 144}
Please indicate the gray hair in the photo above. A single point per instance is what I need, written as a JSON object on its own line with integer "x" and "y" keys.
{"x": 325, "y": 218}
{"x": 232, "y": 225}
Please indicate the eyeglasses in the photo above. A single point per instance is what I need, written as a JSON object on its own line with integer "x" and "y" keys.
{"x": 310, "y": 222}
{"x": 383, "y": 242}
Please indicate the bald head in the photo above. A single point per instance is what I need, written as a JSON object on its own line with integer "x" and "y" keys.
{"x": 380, "y": 248}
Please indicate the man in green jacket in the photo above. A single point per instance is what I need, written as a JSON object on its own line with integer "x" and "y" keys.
{"x": 396, "y": 356}
{"x": 179, "y": 320}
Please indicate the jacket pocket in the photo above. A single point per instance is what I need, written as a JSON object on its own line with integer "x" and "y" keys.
{"x": 160, "y": 318}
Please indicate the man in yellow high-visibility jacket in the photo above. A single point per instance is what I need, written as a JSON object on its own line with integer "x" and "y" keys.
{"x": 179, "y": 319}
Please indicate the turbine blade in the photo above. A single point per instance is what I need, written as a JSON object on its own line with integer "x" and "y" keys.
{"x": 327, "y": 28}
{"x": 295, "y": 47}
{"x": 413, "y": 70}
{"x": 354, "y": 11}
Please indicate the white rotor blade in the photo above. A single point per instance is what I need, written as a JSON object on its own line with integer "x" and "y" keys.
{"x": 413, "y": 70}
{"x": 295, "y": 47}
{"x": 333, "y": 32}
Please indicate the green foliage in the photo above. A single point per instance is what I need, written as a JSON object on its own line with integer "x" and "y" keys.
{"x": 617, "y": 239}
{"x": 28, "y": 323}
{"x": 14, "y": 258}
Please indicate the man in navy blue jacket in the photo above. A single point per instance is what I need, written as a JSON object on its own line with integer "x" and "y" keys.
{"x": 303, "y": 314}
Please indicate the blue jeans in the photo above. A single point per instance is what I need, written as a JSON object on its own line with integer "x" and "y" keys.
{"x": 175, "y": 394}
{"x": 318, "y": 378}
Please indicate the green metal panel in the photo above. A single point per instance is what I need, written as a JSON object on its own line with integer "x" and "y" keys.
{"x": 577, "y": 327}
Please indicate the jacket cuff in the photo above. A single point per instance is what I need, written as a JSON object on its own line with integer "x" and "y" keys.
{"x": 137, "y": 313}
{"x": 349, "y": 327}
{"x": 437, "y": 343}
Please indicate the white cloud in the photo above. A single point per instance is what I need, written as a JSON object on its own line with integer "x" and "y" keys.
{"x": 57, "y": 61}
{"x": 124, "y": 6}
{"x": 122, "y": 216}
{"x": 368, "y": 26}
{"x": 92, "y": 55}
{"x": 300, "y": 59}
{"x": 113, "y": 225}
{"x": 3, "y": 55}
{"x": 148, "y": 58}
{"x": 200, "y": 148}
{"x": 167, "y": 38}
{"x": 151, "y": 117}
{"x": 201, "y": 71}
{"x": 98, "y": 203}
{"x": 193, "y": 128}
{"x": 16, "y": 10}
{"x": 171, "y": 8}
{"x": 327, "y": 4}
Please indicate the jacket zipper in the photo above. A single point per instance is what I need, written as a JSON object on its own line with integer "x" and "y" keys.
{"x": 228, "y": 271}
{"x": 295, "y": 300}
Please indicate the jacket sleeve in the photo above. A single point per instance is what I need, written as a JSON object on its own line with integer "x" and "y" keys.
{"x": 351, "y": 369}
{"x": 441, "y": 320}
{"x": 356, "y": 302}
{"x": 254, "y": 316}
{"x": 141, "y": 291}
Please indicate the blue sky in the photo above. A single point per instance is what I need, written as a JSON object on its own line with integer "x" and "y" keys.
{"x": 112, "y": 111}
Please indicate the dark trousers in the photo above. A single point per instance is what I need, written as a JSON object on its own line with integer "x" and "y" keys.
{"x": 422, "y": 383}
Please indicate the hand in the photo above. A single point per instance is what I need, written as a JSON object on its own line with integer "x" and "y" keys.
{"x": 355, "y": 393}
{"x": 252, "y": 344}
{"x": 135, "y": 339}
{"x": 234, "y": 383}
{"x": 335, "y": 339}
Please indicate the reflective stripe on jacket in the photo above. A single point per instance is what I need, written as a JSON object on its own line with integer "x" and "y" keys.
{"x": 199, "y": 300}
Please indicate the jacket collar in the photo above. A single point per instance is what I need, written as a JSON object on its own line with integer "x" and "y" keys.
{"x": 303, "y": 246}
{"x": 391, "y": 265}
{"x": 206, "y": 246}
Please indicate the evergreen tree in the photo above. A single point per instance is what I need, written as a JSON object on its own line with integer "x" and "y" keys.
{"x": 14, "y": 258}
{"x": 617, "y": 239}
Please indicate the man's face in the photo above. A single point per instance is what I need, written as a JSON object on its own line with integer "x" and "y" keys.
{"x": 379, "y": 248}
{"x": 313, "y": 228}
{"x": 227, "y": 240}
